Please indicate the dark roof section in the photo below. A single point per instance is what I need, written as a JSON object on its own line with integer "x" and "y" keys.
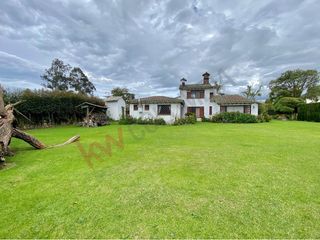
{"x": 195, "y": 87}
{"x": 156, "y": 100}
{"x": 230, "y": 99}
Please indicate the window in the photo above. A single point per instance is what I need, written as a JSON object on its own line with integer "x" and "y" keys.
{"x": 247, "y": 109}
{"x": 211, "y": 95}
{"x": 146, "y": 107}
{"x": 135, "y": 107}
{"x": 164, "y": 109}
{"x": 210, "y": 110}
{"x": 195, "y": 94}
{"x": 223, "y": 108}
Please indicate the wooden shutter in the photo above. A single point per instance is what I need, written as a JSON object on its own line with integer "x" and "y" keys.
{"x": 201, "y": 112}
{"x": 201, "y": 94}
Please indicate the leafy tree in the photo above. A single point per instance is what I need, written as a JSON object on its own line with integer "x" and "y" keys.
{"x": 122, "y": 92}
{"x": 313, "y": 93}
{"x": 293, "y": 84}
{"x": 251, "y": 93}
{"x": 288, "y": 105}
{"x": 57, "y": 76}
{"x": 60, "y": 77}
{"x": 80, "y": 82}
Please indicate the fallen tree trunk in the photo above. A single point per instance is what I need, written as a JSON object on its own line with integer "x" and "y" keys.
{"x": 28, "y": 138}
{"x": 7, "y": 131}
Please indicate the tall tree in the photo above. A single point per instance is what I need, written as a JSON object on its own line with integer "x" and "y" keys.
{"x": 57, "y": 76}
{"x": 293, "y": 84}
{"x": 80, "y": 82}
{"x": 288, "y": 105}
{"x": 122, "y": 92}
{"x": 313, "y": 93}
{"x": 251, "y": 93}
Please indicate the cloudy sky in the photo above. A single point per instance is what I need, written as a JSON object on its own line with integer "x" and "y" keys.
{"x": 148, "y": 46}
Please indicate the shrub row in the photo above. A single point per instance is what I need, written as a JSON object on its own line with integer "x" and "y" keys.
{"x": 54, "y": 107}
{"x": 237, "y": 117}
{"x": 130, "y": 120}
{"x": 309, "y": 112}
{"x": 190, "y": 118}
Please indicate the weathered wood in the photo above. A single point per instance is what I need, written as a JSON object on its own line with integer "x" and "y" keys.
{"x": 28, "y": 138}
{"x": 7, "y": 131}
{"x": 2, "y": 109}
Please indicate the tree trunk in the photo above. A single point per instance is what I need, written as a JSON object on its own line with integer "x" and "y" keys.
{"x": 2, "y": 109}
{"x": 7, "y": 131}
{"x": 28, "y": 138}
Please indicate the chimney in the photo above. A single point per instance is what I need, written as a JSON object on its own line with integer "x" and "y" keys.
{"x": 206, "y": 77}
{"x": 183, "y": 81}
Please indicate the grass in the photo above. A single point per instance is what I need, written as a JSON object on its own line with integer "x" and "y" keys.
{"x": 198, "y": 181}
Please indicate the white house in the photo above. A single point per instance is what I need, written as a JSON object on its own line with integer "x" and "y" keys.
{"x": 116, "y": 107}
{"x": 201, "y": 99}
{"x": 204, "y": 101}
{"x": 154, "y": 107}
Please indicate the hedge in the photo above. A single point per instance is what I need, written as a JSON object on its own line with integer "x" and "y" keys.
{"x": 130, "y": 120}
{"x": 309, "y": 112}
{"x": 54, "y": 107}
{"x": 234, "y": 117}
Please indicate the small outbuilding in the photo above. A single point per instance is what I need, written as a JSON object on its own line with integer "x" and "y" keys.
{"x": 95, "y": 114}
{"x": 116, "y": 107}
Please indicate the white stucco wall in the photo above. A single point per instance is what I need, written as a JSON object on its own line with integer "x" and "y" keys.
{"x": 153, "y": 112}
{"x": 114, "y": 110}
{"x": 200, "y": 102}
{"x": 254, "y": 109}
{"x": 240, "y": 108}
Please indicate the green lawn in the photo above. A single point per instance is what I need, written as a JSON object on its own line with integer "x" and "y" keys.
{"x": 204, "y": 180}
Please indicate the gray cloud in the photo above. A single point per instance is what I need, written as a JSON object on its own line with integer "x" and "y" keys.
{"x": 148, "y": 46}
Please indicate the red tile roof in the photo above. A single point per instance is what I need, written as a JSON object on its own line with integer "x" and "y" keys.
{"x": 156, "y": 100}
{"x": 230, "y": 99}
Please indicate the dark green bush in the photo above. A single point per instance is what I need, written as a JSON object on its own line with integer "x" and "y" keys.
{"x": 264, "y": 117}
{"x": 130, "y": 120}
{"x": 189, "y": 118}
{"x": 234, "y": 117}
{"x": 127, "y": 120}
{"x": 204, "y": 119}
{"x": 54, "y": 107}
{"x": 159, "y": 121}
{"x": 309, "y": 112}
